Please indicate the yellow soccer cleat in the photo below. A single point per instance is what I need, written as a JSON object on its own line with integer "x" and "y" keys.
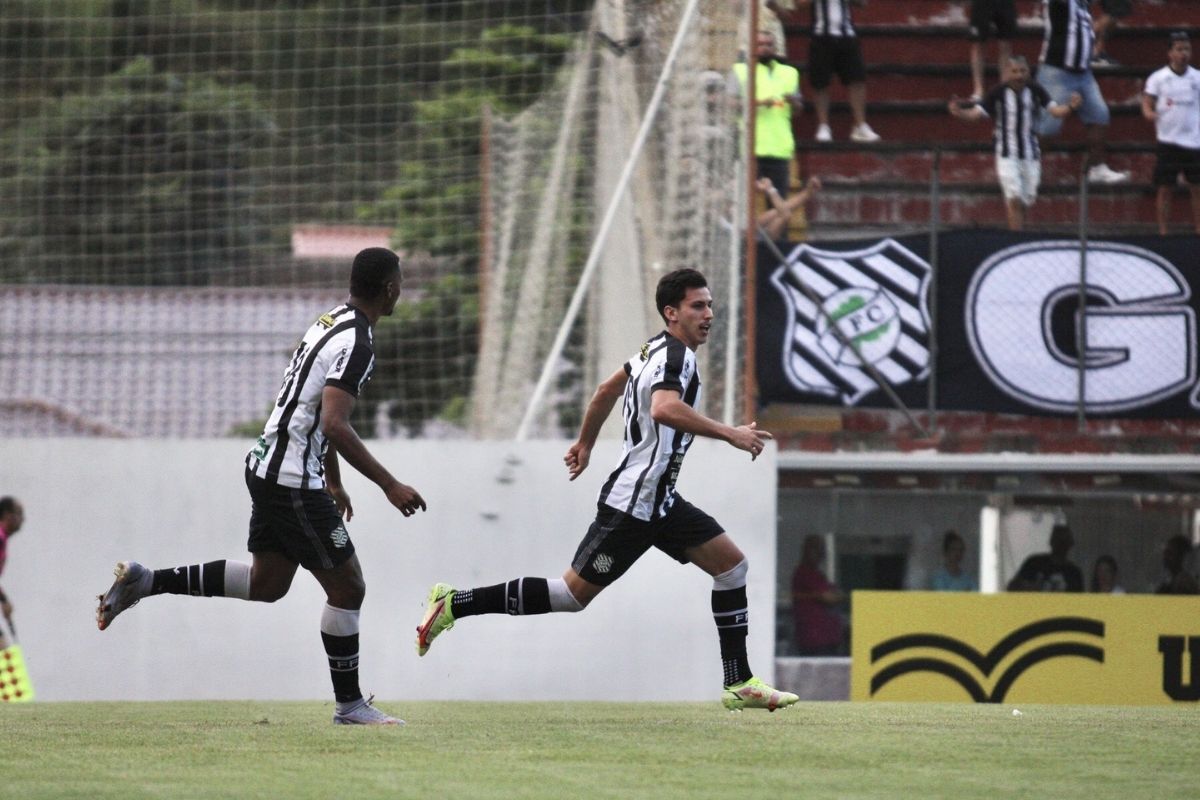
{"x": 756, "y": 694}
{"x": 438, "y": 616}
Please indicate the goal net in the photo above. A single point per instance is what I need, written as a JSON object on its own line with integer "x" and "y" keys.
{"x": 185, "y": 182}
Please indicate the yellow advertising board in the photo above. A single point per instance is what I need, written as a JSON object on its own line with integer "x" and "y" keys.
{"x": 1025, "y": 648}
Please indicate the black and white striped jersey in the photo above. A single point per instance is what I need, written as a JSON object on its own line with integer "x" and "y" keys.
{"x": 832, "y": 18}
{"x": 643, "y": 484}
{"x": 1067, "y": 36}
{"x": 1016, "y": 115}
{"x": 338, "y": 350}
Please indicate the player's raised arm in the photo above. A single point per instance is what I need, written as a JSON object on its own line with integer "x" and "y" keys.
{"x": 668, "y": 408}
{"x": 600, "y": 406}
{"x": 336, "y": 405}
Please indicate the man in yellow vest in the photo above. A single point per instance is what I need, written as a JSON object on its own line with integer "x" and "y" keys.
{"x": 777, "y": 95}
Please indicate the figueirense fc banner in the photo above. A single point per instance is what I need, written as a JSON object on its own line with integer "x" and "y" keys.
{"x": 1006, "y": 325}
{"x": 1025, "y": 647}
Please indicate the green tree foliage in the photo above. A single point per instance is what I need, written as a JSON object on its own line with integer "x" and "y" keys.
{"x": 148, "y": 174}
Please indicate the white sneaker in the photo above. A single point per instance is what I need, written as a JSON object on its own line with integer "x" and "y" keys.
{"x": 863, "y": 133}
{"x": 132, "y": 584}
{"x": 824, "y": 134}
{"x": 364, "y": 714}
{"x": 1102, "y": 174}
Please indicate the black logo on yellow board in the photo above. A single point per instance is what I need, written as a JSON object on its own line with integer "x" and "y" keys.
{"x": 985, "y": 663}
{"x": 1172, "y": 648}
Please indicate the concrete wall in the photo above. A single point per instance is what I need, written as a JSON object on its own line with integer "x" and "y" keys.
{"x": 497, "y": 511}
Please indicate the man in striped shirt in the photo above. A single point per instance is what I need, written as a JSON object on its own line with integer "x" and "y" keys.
{"x": 294, "y": 479}
{"x": 1016, "y": 106}
{"x": 638, "y": 507}
{"x": 1065, "y": 68}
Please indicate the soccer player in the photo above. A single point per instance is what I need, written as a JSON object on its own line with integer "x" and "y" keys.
{"x": 638, "y": 507}
{"x": 296, "y": 492}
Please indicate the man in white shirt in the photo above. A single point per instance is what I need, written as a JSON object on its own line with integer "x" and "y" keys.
{"x": 1171, "y": 101}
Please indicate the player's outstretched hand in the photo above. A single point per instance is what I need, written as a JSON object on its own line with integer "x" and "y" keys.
{"x": 576, "y": 459}
{"x": 405, "y": 498}
{"x": 750, "y": 439}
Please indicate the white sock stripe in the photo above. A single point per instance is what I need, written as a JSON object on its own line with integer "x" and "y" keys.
{"x": 339, "y": 621}
{"x": 237, "y": 579}
{"x": 732, "y": 579}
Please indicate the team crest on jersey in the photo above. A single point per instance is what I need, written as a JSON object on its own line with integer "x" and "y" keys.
{"x": 338, "y": 536}
{"x": 644, "y": 353}
{"x": 602, "y": 563}
{"x": 863, "y": 305}
{"x": 326, "y": 321}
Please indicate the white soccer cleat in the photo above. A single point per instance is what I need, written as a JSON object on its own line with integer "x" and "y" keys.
{"x": 364, "y": 714}
{"x": 132, "y": 584}
{"x": 824, "y": 134}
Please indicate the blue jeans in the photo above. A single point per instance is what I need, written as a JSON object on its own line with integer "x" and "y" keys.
{"x": 1059, "y": 84}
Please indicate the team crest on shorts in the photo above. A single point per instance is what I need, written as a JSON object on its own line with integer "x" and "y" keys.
{"x": 602, "y": 563}
{"x": 847, "y": 307}
{"x": 338, "y": 536}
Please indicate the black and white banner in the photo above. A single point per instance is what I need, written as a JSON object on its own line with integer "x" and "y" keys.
{"x": 1007, "y": 324}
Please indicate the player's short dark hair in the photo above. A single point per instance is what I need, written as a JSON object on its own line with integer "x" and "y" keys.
{"x": 7, "y": 505}
{"x": 1180, "y": 36}
{"x": 673, "y": 287}
{"x": 372, "y": 269}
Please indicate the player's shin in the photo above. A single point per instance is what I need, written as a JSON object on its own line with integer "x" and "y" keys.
{"x": 732, "y": 616}
{"x": 212, "y": 579}
{"x": 339, "y": 633}
{"x": 518, "y": 597}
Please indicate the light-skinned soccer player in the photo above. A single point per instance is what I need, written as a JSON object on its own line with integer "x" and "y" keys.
{"x": 638, "y": 507}
{"x": 294, "y": 479}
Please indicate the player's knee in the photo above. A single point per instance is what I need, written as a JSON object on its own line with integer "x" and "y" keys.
{"x": 733, "y": 578}
{"x": 268, "y": 593}
{"x": 348, "y": 595}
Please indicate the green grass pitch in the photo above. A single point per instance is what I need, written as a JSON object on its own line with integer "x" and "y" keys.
{"x": 596, "y": 750}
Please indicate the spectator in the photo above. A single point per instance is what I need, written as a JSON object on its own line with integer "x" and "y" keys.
{"x": 990, "y": 18}
{"x": 1105, "y": 24}
{"x": 1064, "y": 69}
{"x": 1104, "y": 576}
{"x": 834, "y": 50}
{"x": 1050, "y": 572}
{"x": 951, "y": 577}
{"x": 1016, "y": 106}
{"x": 774, "y": 221}
{"x": 777, "y": 95}
{"x": 818, "y": 626}
{"x": 1178, "y": 580}
{"x": 1171, "y": 101}
{"x": 12, "y": 517}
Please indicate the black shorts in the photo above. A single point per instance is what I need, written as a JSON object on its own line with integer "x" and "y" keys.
{"x": 992, "y": 19}
{"x": 303, "y": 524}
{"x": 835, "y": 55}
{"x": 616, "y": 540}
{"x": 1172, "y": 160}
